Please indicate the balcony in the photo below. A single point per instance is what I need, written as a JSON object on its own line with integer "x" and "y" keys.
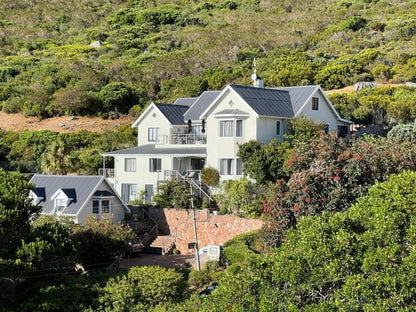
{"x": 183, "y": 139}
{"x": 107, "y": 173}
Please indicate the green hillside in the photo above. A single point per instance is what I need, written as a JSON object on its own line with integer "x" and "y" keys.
{"x": 160, "y": 50}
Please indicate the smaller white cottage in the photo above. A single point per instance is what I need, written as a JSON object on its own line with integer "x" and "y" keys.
{"x": 77, "y": 197}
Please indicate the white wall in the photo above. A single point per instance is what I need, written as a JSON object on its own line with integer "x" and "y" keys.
{"x": 153, "y": 118}
{"x": 117, "y": 207}
{"x": 266, "y": 129}
{"x": 227, "y": 147}
{"x": 324, "y": 113}
{"x": 142, "y": 175}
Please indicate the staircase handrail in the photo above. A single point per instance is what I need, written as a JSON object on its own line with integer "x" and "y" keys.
{"x": 194, "y": 184}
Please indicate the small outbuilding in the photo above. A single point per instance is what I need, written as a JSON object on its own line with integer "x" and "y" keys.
{"x": 77, "y": 197}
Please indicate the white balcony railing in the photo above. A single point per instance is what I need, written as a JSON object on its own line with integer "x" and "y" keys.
{"x": 107, "y": 173}
{"x": 183, "y": 139}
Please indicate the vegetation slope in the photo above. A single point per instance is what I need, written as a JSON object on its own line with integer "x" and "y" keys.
{"x": 162, "y": 49}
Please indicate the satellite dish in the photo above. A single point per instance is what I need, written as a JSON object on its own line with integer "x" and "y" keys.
{"x": 254, "y": 76}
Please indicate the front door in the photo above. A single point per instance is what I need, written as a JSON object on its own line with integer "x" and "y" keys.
{"x": 148, "y": 195}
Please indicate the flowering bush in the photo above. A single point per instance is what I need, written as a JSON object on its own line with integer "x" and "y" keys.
{"x": 329, "y": 174}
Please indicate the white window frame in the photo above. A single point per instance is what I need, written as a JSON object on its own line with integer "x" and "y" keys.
{"x": 153, "y": 134}
{"x": 100, "y": 205}
{"x": 60, "y": 204}
{"x": 226, "y": 129}
{"x": 130, "y": 164}
{"x": 278, "y": 128}
{"x": 234, "y": 128}
{"x": 238, "y": 167}
{"x": 153, "y": 167}
{"x": 226, "y": 166}
{"x": 315, "y": 103}
{"x": 239, "y": 128}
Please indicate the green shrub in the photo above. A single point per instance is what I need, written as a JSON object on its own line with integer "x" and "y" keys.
{"x": 210, "y": 176}
{"x": 402, "y": 133}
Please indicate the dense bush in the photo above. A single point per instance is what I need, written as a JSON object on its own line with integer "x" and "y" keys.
{"x": 262, "y": 162}
{"x": 403, "y": 133}
{"x": 241, "y": 197}
{"x": 210, "y": 176}
{"x": 328, "y": 175}
{"x": 353, "y": 260}
{"x": 141, "y": 289}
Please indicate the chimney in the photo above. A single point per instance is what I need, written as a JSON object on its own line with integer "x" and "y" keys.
{"x": 257, "y": 81}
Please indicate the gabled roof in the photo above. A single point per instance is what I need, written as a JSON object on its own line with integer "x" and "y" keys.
{"x": 266, "y": 102}
{"x": 185, "y": 101}
{"x": 200, "y": 105}
{"x": 82, "y": 188}
{"x": 298, "y": 95}
{"x": 173, "y": 113}
{"x": 150, "y": 149}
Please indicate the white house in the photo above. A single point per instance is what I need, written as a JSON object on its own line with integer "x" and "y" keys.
{"x": 181, "y": 138}
{"x": 77, "y": 197}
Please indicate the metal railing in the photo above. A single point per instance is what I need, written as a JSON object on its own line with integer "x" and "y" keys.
{"x": 183, "y": 139}
{"x": 107, "y": 173}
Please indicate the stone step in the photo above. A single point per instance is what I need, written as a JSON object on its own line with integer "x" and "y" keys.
{"x": 164, "y": 242}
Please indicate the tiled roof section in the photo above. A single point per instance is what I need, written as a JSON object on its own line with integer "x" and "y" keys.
{"x": 185, "y": 101}
{"x": 150, "y": 149}
{"x": 200, "y": 105}
{"x": 266, "y": 102}
{"x": 82, "y": 186}
{"x": 298, "y": 95}
{"x": 174, "y": 113}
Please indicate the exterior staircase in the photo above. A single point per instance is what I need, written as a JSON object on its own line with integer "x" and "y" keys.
{"x": 161, "y": 245}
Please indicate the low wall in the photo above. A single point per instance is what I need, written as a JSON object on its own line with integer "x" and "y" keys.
{"x": 211, "y": 229}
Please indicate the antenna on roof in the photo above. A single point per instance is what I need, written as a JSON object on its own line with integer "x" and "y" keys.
{"x": 257, "y": 81}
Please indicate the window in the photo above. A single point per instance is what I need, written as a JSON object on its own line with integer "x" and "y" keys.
{"x": 315, "y": 103}
{"x": 239, "y": 128}
{"x": 133, "y": 189}
{"x": 60, "y": 204}
{"x": 239, "y": 167}
{"x": 197, "y": 129}
{"x": 153, "y": 134}
{"x": 95, "y": 207}
{"x": 130, "y": 164}
{"x": 155, "y": 164}
{"x": 100, "y": 206}
{"x": 229, "y": 127}
{"x": 226, "y": 166}
{"x": 278, "y": 126}
{"x": 105, "y": 206}
{"x": 226, "y": 128}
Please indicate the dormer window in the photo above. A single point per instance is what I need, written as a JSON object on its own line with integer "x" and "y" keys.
{"x": 315, "y": 103}
{"x": 60, "y": 204}
{"x": 62, "y": 199}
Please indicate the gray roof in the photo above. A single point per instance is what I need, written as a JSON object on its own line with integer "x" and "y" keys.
{"x": 174, "y": 113}
{"x": 79, "y": 188}
{"x": 200, "y": 105}
{"x": 185, "y": 101}
{"x": 266, "y": 102}
{"x": 298, "y": 95}
{"x": 232, "y": 112}
{"x": 150, "y": 149}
